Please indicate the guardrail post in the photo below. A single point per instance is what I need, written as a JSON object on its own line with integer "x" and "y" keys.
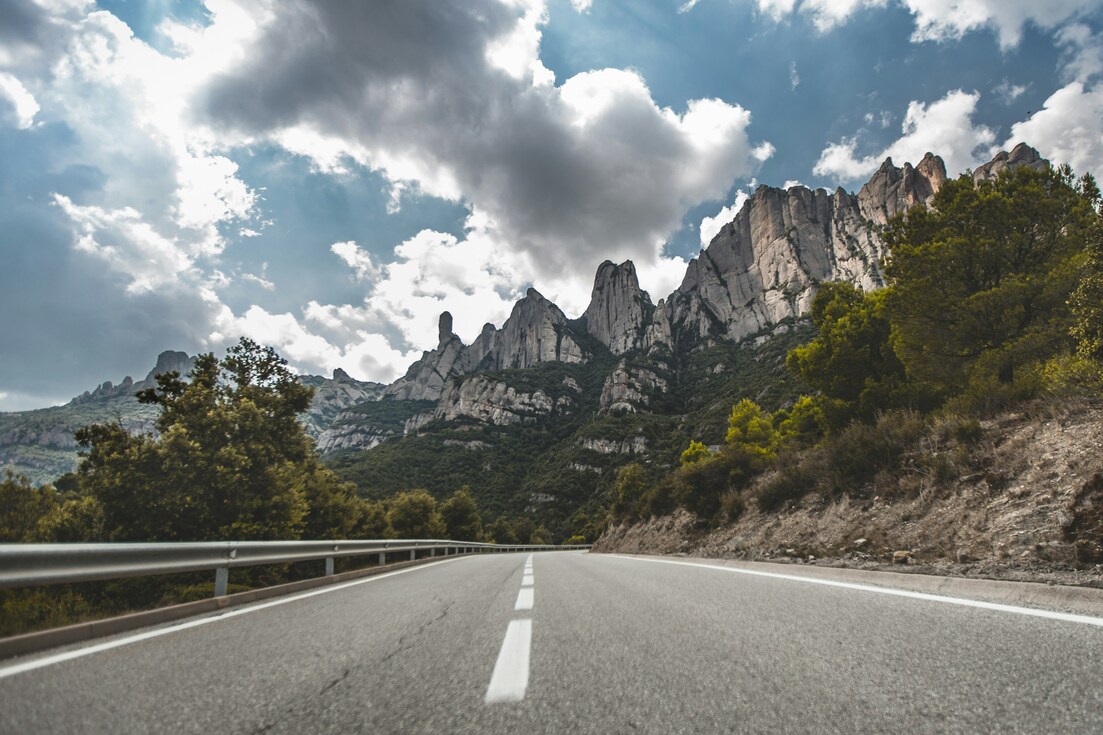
{"x": 221, "y": 581}
{"x": 413, "y": 554}
{"x": 382, "y": 558}
{"x": 329, "y": 566}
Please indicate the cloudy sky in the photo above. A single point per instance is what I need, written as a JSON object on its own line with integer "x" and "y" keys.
{"x": 327, "y": 177}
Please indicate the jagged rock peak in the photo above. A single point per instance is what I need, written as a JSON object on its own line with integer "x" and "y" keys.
{"x": 168, "y": 361}
{"x": 535, "y": 332}
{"x": 339, "y": 374}
{"x": 171, "y": 361}
{"x": 1020, "y": 155}
{"x": 893, "y": 190}
{"x": 618, "y": 309}
{"x": 444, "y": 328}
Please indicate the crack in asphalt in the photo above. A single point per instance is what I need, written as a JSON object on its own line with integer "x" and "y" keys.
{"x": 403, "y": 646}
{"x": 335, "y": 682}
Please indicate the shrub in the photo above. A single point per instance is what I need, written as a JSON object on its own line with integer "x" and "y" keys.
{"x": 695, "y": 453}
{"x": 794, "y": 478}
{"x": 860, "y": 451}
{"x": 659, "y": 500}
{"x": 732, "y": 505}
{"x": 700, "y": 485}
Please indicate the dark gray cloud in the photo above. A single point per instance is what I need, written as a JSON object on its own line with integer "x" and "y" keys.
{"x": 68, "y": 324}
{"x": 572, "y": 174}
{"x": 20, "y": 22}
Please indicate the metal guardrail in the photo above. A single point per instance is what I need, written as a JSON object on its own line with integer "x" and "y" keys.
{"x": 32, "y": 565}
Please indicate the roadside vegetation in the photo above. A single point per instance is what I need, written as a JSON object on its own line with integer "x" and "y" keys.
{"x": 995, "y": 299}
{"x": 231, "y": 462}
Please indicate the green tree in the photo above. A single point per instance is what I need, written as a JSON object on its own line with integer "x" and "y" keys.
{"x": 333, "y": 508}
{"x": 78, "y": 519}
{"x": 695, "y": 452}
{"x": 22, "y": 508}
{"x": 980, "y": 280}
{"x": 804, "y": 424}
{"x": 750, "y": 430}
{"x": 523, "y": 528}
{"x": 1086, "y": 302}
{"x": 851, "y": 359}
{"x": 461, "y": 516}
{"x": 413, "y": 515}
{"x": 231, "y": 461}
{"x": 540, "y": 536}
{"x": 629, "y": 487}
{"x": 373, "y": 521}
{"x": 501, "y": 531}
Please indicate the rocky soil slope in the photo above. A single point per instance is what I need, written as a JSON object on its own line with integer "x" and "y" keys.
{"x": 1036, "y": 513}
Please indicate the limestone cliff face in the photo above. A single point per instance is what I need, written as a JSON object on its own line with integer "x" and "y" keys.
{"x": 536, "y": 331}
{"x": 630, "y": 389}
{"x": 333, "y": 395}
{"x": 631, "y": 445}
{"x": 491, "y": 401}
{"x": 765, "y": 265}
{"x": 894, "y": 190}
{"x": 347, "y": 435}
{"x": 619, "y": 309}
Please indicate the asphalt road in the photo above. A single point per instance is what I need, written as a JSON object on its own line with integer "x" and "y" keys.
{"x": 601, "y": 644}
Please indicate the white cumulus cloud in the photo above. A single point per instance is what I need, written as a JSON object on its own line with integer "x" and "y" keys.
{"x": 939, "y": 20}
{"x": 944, "y": 127}
{"x": 22, "y": 103}
{"x": 1067, "y": 128}
{"x": 570, "y": 173}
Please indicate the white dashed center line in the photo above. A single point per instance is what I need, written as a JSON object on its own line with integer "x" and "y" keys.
{"x": 511, "y": 671}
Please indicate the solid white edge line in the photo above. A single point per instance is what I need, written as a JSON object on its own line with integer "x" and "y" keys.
{"x": 232, "y": 613}
{"x": 511, "y": 671}
{"x": 525, "y": 598}
{"x": 963, "y": 601}
{"x": 527, "y": 580}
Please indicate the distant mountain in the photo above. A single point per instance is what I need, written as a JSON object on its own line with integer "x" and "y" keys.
{"x": 40, "y": 444}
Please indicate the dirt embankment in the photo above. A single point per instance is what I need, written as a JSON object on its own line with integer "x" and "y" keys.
{"x": 1027, "y": 505}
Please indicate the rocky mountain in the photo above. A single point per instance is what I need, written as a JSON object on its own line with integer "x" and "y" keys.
{"x": 167, "y": 361}
{"x": 536, "y": 331}
{"x": 619, "y": 311}
{"x": 761, "y": 270}
{"x": 537, "y": 415}
{"x": 648, "y": 375}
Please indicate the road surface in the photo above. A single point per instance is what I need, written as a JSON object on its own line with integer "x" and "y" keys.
{"x": 567, "y": 642}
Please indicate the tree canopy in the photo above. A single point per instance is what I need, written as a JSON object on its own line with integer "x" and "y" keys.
{"x": 231, "y": 460}
{"x": 851, "y": 359}
{"x": 980, "y": 280}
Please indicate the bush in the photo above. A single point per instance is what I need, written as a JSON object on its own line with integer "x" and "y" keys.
{"x": 694, "y": 453}
{"x": 700, "y": 485}
{"x": 796, "y": 476}
{"x": 968, "y": 431}
{"x": 860, "y": 451}
{"x": 660, "y": 499}
{"x": 732, "y": 505}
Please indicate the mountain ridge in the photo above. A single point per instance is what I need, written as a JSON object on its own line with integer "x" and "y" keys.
{"x": 627, "y": 373}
